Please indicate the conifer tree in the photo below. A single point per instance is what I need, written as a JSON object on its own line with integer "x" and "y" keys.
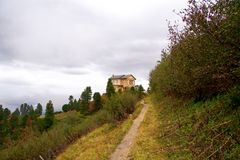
{"x": 110, "y": 89}
{"x": 85, "y": 99}
{"x": 38, "y": 110}
{"x": 97, "y": 100}
{"x": 49, "y": 115}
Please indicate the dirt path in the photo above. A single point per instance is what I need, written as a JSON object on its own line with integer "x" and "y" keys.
{"x": 123, "y": 149}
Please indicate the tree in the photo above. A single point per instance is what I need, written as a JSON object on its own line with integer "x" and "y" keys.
{"x": 24, "y": 109}
{"x": 1, "y": 125}
{"x": 4, "y": 122}
{"x": 31, "y": 112}
{"x": 85, "y": 99}
{"x": 65, "y": 107}
{"x": 132, "y": 90}
{"x": 49, "y": 115}
{"x": 75, "y": 105}
{"x": 38, "y": 110}
{"x": 17, "y": 112}
{"x": 97, "y": 100}
{"x": 71, "y": 105}
{"x": 110, "y": 89}
{"x": 14, "y": 123}
{"x": 78, "y": 107}
{"x": 203, "y": 58}
{"x": 70, "y": 99}
{"x": 140, "y": 88}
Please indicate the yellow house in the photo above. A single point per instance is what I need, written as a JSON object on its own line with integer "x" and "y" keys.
{"x": 123, "y": 82}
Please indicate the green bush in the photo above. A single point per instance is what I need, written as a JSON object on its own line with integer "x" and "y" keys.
{"x": 202, "y": 60}
{"x": 56, "y": 138}
{"x": 120, "y": 105}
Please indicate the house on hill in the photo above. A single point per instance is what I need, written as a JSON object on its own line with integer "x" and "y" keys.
{"x": 123, "y": 82}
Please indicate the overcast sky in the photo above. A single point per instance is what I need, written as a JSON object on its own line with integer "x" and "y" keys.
{"x": 50, "y": 49}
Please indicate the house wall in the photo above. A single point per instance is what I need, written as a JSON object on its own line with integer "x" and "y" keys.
{"x": 129, "y": 82}
{"x": 121, "y": 84}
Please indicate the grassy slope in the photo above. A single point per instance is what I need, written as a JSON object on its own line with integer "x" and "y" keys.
{"x": 180, "y": 129}
{"x": 100, "y": 143}
{"x": 67, "y": 127}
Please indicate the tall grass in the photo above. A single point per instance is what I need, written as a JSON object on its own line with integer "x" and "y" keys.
{"x": 200, "y": 130}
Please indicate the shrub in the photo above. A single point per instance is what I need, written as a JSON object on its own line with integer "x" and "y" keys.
{"x": 120, "y": 105}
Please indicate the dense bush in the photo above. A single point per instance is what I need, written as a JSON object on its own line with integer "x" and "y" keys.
{"x": 203, "y": 58}
{"x": 120, "y": 105}
{"x": 198, "y": 76}
{"x": 47, "y": 144}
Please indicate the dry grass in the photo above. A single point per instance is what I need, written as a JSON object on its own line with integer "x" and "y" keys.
{"x": 99, "y": 144}
{"x": 147, "y": 145}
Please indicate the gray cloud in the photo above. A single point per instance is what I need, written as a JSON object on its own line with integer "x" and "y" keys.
{"x": 53, "y": 48}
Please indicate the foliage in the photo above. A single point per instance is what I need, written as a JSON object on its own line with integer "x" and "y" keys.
{"x": 38, "y": 110}
{"x": 65, "y": 108}
{"x": 49, "y": 115}
{"x": 85, "y": 99}
{"x": 120, "y": 105}
{"x": 97, "y": 100}
{"x": 198, "y": 130}
{"x": 72, "y": 105}
{"x": 48, "y": 135}
{"x": 110, "y": 91}
{"x": 48, "y": 143}
{"x": 197, "y": 83}
{"x": 140, "y": 91}
{"x": 203, "y": 58}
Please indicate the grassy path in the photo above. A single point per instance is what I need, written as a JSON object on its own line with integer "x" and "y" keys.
{"x": 147, "y": 145}
{"x": 123, "y": 149}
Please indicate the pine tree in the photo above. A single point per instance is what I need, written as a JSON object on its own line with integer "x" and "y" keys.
{"x": 49, "y": 115}
{"x": 140, "y": 91}
{"x": 75, "y": 104}
{"x": 38, "y": 110}
{"x": 110, "y": 89}
{"x": 85, "y": 99}
{"x": 71, "y": 99}
{"x": 97, "y": 100}
{"x": 23, "y": 109}
{"x": 17, "y": 112}
{"x": 31, "y": 112}
{"x": 14, "y": 123}
{"x": 1, "y": 125}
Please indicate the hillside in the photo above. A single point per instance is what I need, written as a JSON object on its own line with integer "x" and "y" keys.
{"x": 196, "y": 83}
{"x": 178, "y": 129}
{"x": 191, "y": 110}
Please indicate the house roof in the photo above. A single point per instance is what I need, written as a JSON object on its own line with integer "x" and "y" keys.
{"x": 122, "y": 76}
